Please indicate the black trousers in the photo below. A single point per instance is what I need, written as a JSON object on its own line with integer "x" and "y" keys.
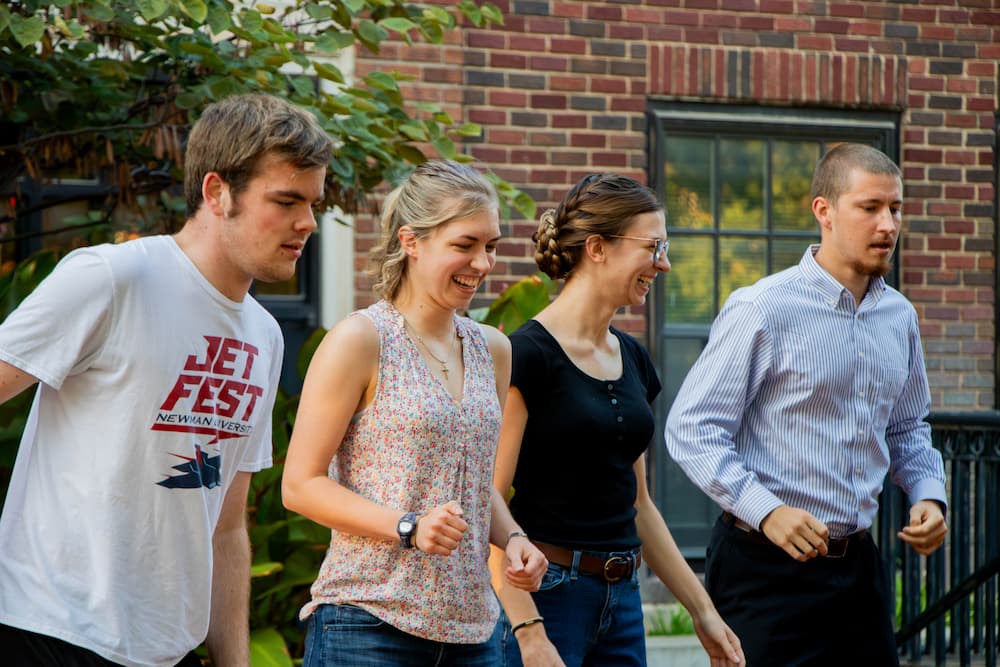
{"x": 826, "y": 612}
{"x": 20, "y": 648}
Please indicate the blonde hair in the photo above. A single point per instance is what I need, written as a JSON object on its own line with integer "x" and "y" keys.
{"x": 602, "y": 204}
{"x": 437, "y": 192}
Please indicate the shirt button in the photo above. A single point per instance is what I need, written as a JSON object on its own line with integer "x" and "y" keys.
{"x": 861, "y": 394}
{"x": 620, "y": 419}
{"x": 610, "y": 387}
{"x": 858, "y": 470}
{"x": 614, "y": 401}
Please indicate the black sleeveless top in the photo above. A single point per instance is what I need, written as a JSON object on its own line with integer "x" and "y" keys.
{"x": 574, "y": 485}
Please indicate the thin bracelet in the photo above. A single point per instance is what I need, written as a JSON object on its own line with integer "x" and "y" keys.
{"x": 517, "y": 533}
{"x": 527, "y": 621}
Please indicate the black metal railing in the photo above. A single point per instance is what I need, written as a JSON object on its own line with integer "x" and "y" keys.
{"x": 948, "y": 602}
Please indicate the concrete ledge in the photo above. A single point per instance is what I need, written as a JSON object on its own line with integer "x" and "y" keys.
{"x": 675, "y": 651}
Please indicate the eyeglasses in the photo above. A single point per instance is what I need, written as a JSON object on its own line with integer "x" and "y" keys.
{"x": 660, "y": 248}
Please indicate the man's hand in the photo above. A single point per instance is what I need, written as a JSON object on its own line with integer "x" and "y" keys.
{"x": 927, "y": 527}
{"x": 798, "y": 532}
{"x": 526, "y": 565}
{"x": 441, "y": 529}
{"x": 536, "y": 649}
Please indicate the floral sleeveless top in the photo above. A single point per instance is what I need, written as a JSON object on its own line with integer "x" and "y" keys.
{"x": 414, "y": 448}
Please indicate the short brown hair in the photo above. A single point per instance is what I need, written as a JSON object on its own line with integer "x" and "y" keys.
{"x": 233, "y": 135}
{"x": 833, "y": 172}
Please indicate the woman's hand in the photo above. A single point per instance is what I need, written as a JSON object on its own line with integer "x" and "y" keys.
{"x": 441, "y": 529}
{"x": 526, "y": 565}
{"x": 720, "y": 642}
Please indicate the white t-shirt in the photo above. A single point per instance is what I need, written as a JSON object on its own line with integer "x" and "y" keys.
{"x": 155, "y": 390}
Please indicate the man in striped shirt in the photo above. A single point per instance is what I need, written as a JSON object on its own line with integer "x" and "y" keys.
{"x": 810, "y": 390}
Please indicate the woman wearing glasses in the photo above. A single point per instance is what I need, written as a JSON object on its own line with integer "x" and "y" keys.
{"x": 576, "y": 425}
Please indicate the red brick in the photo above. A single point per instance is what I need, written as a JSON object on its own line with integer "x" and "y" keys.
{"x": 607, "y": 85}
{"x": 822, "y": 43}
{"x": 586, "y": 140}
{"x": 870, "y": 28}
{"x": 942, "y": 208}
{"x": 567, "y": 83}
{"x": 569, "y": 120}
{"x": 487, "y": 116}
{"x": 505, "y": 136}
{"x": 545, "y": 101}
{"x": 528, "y": 43}
{"x": 508, "y": 98}
{"x": 937, "y": 32}
{"x": 574, "y": 45}
{"x": 959, "y": 192}
{"x": 507, "y": 59}
{"x": 777, "y": 6}
{"x": 852, "y": 10}
{"x": 947, "y": 243}
{"x": 960, "y": 157}
{"x": 549, "y": 63}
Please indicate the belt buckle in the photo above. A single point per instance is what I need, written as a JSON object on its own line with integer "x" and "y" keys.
{"x": 614, "y": 561}
{"x": 841, "y": 549}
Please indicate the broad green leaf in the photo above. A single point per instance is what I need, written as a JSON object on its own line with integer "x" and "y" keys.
{"x": 413, "y": 131}
{"x": 151, "y": 9}
{"x": 4, "y": 18}
{"x": 27, "y": 30}
{"x": 371, "y": 34}
{"x": 334, "y": 40}
{"x": 399, "y": 24}
{"x": 317, "y": 11}
{"x": 410, "y": 153}
{"x": 438, "y": 15}
{"x": 268, "y": 649}
{"x": 446, "y": 147}
{"x": 218, "y": 19}
{"x": 469, "y": 130}
{"x": 188, "y": 100}
{"x": 196, "y": 9}
{"x": 355, "y": 6}
{"x": 517, "y": 304}
{"x": 99, "y": 12}
{"x": 382, "y": 81}
{"x": 251, "y": 20}
{"x": 492, "y": 13}
{"x": 328, "y": 72}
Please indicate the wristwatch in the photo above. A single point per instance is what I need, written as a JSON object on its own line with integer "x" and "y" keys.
{"x": 407, "y": 528}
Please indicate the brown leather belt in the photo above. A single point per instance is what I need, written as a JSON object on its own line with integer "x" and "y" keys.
{"x": 836, "y": 547}
{"x": 611, "y": 567}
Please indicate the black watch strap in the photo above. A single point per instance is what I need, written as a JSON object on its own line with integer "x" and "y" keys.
{"x": 407, "y": 529}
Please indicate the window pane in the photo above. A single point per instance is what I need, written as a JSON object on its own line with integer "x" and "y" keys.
{"x": 690, "y": 285}
{"x": 741, "y": 174}
{"x": 288, "y": 287}
{"x": 688, "y": 171}
{"x": 788, "y": 252}
{"x": 741, "y": 263}
{"x": 792, "y": 164}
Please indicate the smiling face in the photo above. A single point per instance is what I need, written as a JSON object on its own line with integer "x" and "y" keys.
{"x": 860, "y": 229}
{"x": 451, "y": 262}
{"x": 266, "y": 226}
{"x": 631, "y": 259}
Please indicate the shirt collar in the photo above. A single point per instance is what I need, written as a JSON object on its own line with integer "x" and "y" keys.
{"x": 829, "y": 287}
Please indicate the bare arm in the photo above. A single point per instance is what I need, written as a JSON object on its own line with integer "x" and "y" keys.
{"x": 536, "y": 649}
{"x": 13, "y": 381}
{"x": 340, "y": 381}
{"x": 667, "y": 562}
{"x": 229, "y": 623}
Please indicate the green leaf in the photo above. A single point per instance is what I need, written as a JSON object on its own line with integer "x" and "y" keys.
{"x": 410, "y": 153}
{"x": 218, "y": 19}
{"x": 265, "y": 569}
{"x": 99, "y": 12}
{"x": 318, "y": 12}
{"x": 370, "y": 34}
{"x": 4, "y": 18}
{"x": 399, "y": 24}
{"x": 188, "y": 100}
{"x": 492, "y": 13}
{"x": 328, "y": 72}
{"x": 268, "y": 649}
{"x": 196, "y": 9}
{"x": 251, "y": 20}
{"x": 334, "y": 40}
{"x": 518, "y": 303}
{"x": 469, "y": 130}
{"x": 413, "y": 131}
{"x": 28, "y": 30}
{"x": 382, "y": 81}
{"x": 151, "y": 9}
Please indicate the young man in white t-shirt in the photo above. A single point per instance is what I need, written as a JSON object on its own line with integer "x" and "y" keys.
{"x": 123, "y": 537}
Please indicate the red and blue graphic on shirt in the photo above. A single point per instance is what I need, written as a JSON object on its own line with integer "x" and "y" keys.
{"x": 213, "y": 397}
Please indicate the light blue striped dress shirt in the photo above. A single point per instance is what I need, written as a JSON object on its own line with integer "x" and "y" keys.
{"x": 801, "y": 398}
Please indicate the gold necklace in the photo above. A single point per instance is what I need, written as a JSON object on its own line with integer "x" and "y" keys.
{"x": 444, "y": 364}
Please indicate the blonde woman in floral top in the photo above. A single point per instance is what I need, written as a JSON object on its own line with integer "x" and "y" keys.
{"x": 395, "y": 440}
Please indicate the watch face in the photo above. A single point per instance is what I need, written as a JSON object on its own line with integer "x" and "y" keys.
{"x": 405, "y": 526}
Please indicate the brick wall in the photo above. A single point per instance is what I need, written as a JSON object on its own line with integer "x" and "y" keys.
{"x": 561, "y": 89}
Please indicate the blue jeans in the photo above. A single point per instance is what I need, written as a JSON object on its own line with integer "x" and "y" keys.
{"x": 348, "y": 636}
{"x": 592, "y": 623}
